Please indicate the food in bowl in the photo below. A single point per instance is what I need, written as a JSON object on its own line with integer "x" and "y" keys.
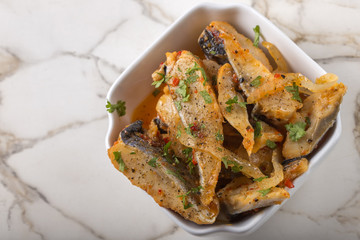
{"x": 231, "y": 132}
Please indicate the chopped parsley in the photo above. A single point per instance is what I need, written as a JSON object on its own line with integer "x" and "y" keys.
{"x": 308, "y": 122}
{"x": 259, "y": 179}
{"x": 206, "y": 96}
{"x": 120, "y": 161}
{"x": 235, "y": 167}
{"x": 270, "y": 144}
{"x": 258, "y": 129}
{"x": 178, "y": 132}
{"x": 119, "y": 107}
{"x": 256, "y": 82}
{"x": 159, "y": 82}
{"x": 178, "y": 105}
{"x": 296, "y": 130}
{"x": 182, "y": 91}
{"x": 132, "y": 153}
{"x": 152, "y": 162}
{"x": 232, "y": 101}
{"x": 191, "y": 79}
{"x": 175, "y": 174}
{"x": 219, "y": 136}
{"x": 155, "y": 92}
{"x": 183, "y": 197}
{"x": 188, "y": 152}
{"x": 264, "y": 192}
{"x": 196, "y": 67}
{"x": 256, "y": 29}
{"x": 188, "y": 130}
{"x": 294, "y": 90}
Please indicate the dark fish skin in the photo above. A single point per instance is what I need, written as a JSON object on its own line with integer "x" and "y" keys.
{"x": 212, "y": 46}
{"x": 131, "y": 135}
{"x": 167, "y": 181}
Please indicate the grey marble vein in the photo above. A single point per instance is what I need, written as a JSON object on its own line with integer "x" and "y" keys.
{"x": 148, "y": 9}
{"x": 22, "y": 191}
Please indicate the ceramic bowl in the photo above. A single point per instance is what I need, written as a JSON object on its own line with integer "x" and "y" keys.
{"x": 134, "y": 85}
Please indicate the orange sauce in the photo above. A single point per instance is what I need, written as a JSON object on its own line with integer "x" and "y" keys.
{"x": 145, "y": 111}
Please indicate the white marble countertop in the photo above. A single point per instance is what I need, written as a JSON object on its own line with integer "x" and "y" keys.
{"x": 57, "y": 61}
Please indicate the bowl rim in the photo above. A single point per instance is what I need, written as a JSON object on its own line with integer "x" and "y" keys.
{"x": 261, "y": 217}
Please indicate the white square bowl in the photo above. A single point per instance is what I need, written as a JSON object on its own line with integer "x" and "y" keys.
{"x": 134, "y": 85}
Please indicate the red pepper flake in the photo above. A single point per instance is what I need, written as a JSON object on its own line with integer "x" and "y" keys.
{"x": 159, "y": 191}
{"x": 277, "y": 75}
{"x": 166, "y": 140}
{"x": 175, "y": 81}
{"x": 249, "y": 129}
{"x": 195, "y": 91}
{"x": 193, "y": 157}
{"x": 235, "y": 79}
{"x": 195, "y": 127}
{"x": 288, "y": 183}
{"x": 178, "y": 53}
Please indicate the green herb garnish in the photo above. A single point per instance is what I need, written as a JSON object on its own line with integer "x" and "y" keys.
{"x": 132, "y": 153}
{"x": 120, "y": 161}
{"x": 256, "y": 82}
{"x": 270, "y": 144}
{"x": 206, "y": 96}
{"x": 159, "y": 82}
{"x": 296, "y": 130}
{"x": 178, "y": 105}
{"x": 119, "y": 107}
{"x": 260, "y": 179}
{"x": 294, "y": 90}
{"x": 183, "y": 197}
{"x": 152, "y": 162}
{"x": 178, "y": 132}
{"x": 196, "y": 67}
{"x": 235, "y": 167}
{"x": 176, "y": 174}
{"x": 155, "y": 92}
{"x": 188, "y": 152}
{"x": 258, "y": 129}
{"x": 219, "y": 136}
{"x": 308, "y": 122}
{"x": 256, "y": 29}
{"x": 264, "y": 192}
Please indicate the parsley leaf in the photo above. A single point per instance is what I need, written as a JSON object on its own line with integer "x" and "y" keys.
{"x": 235, "y": 167}
{"x": 196, "y": 67}
{"x": 120, "y": 161}
{"x": 188, "y": 152}
{"x": 219, "y": 136}
{"x": 257, "y": 130}
{"x": 132, "y": 153}
{"x": 159, "y": 82}
{"x": 294, "y": 90}
{"x": 152, "y": 162}
{"x": 183, "y": 197}
{"x": 206, "y": 96}
{"x": 270, "y": 144}
{"x": 256, "y": 29}
{"x": 259, "y": 179}
{"x": 230, "y": 102}
{"x": 176, "y": 174}
{"x": 178, "y": 132}
{"x": 178, "y": 105}
{"x": 256, "y": 82}
{"x": 155, "y": 92}
{"x": 166, "y": 152}
{"x": 296, "y": 130}
{"x": 119, "y": 107}
{"x": 264, "y": 192}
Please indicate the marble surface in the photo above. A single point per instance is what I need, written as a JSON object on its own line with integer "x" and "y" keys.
{"x": 57, "y": 61}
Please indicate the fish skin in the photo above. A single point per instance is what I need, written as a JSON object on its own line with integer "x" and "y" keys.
{"x": 166, "y": 182}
